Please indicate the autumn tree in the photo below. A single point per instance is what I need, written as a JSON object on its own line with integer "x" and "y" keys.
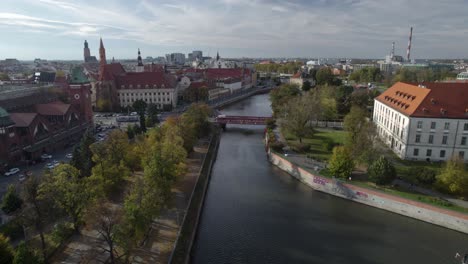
{"x": 341, "y": 163}
{"x": 68, "y": 191}
{"x": 6, "y": 251}
{"x": 361, "y": 136}
{"x": 453, "y": 178}
{"x": 298, "y": 113}
{"x": 152, "y": 111}
{"x": 281, "y": 95}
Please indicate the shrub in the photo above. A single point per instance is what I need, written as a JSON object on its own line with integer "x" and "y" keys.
{"x": 382, "y": 171}
{"x": 61, "y": 232}
{"x": 6, "y": 251}
{"x": 12, "y": 229}
{"x": 276, "y": 146}
{"x": 328, "y": 144}
{"x": 425, "y": 176}
{"x": 11, "y": 201}
{"x": 24, "y": 255}
{"x": 271, "y": 123}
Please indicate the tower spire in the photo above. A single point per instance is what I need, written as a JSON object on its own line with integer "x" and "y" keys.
{"x": 102, "y": 54}
{"x": 140, "y": 61}
{"x": 217, "y": 55}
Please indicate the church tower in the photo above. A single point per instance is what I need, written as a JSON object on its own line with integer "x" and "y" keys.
{"x": 86, "y": 52}
{"x": 102, "y": 54}
{"x": 140, "y": 67}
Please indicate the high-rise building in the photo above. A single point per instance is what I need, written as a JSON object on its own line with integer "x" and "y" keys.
{"x": 175, "y": 58}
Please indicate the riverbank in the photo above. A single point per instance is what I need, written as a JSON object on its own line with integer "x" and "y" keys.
{"x": 424, "y": 212}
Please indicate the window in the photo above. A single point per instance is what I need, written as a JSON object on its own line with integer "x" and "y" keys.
{"x": 461, "y": 154}
{"x": 415, "y": 152}
{"x": 447, "y": 126}
{"x": 444, "y": 140}
{"x": 2, "y": 130}
{"x": 442, "y": 153}
{"x": 433, "y": 125}
{"x": 431, "y": 139}
{"x": 463, "y": 141}
{"x": 419, "y": 124}
{"x": 418, "y": 138}
{"x": 465, "y": 127}
{"x": 429, "y": 152}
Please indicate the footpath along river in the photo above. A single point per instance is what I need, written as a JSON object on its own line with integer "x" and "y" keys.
{"x": 256, "y": 213}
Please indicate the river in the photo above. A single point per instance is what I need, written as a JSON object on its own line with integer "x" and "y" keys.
{"x": 255, "y": 213}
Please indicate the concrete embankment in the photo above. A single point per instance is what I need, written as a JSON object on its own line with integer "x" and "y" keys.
{"x": 421, "y": 211}
{"x": 186, "y": 236}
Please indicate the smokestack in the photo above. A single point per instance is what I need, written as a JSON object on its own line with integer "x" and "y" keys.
{"x": 392, "y": 55}
{"x": 409, "y": 45}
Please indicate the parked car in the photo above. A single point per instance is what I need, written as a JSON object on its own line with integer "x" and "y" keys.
{"x": 55, "y": 162}
{"x": 49, "y": 166}
{"x": 22, "y": 177}
{"x": 69, "y": 156}
{"x": 133, "y": 113}
{"x": 46, "y": 156}
{"x": 12, "y": 171}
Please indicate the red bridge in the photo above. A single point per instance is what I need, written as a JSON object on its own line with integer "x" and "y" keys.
{"x": 242, "y": 120}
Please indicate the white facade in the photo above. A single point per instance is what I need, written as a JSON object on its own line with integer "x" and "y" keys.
{"x": 414, "y": 138}
{"x": 160, "y": 97}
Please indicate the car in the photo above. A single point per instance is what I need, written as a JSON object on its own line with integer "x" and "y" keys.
{"x": 98, "y": 115}
{"x": 133, "y": 113}
{"x": 55, "y": 162}
{"x": 22, "y": 177}
{"x": 46, "y": 156}
{"x": 12, "y": 171}
{"x": 69, "y": 156}
{"x": 49, "y": 166}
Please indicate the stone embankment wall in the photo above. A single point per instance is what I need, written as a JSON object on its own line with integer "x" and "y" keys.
{"x": 421, "y": 211}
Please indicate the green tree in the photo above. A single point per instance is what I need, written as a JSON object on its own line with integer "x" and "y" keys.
{"x": 281, "y": 95}
{"x": 354, "y": 122}
{"x": 341, "y": 163}
{"x": 152, "y": 111}
{"x": 68, "y": 191}
{"x": 140, "y": 108}
{"x": 381, "y": 171}
{"x": 453, "y": 178}
{"x": 298, "y": 113}
{"x": 25, "y": 255}
{"x": 82, "y": 155}
{"x": 361, "y": 136}
{"x": 6, "y": 251}
{"x": 11, "y": 201}
{"x": 327, "y": 95}
{"x": 306, "y": 86}
{"x": 324, "y": 76}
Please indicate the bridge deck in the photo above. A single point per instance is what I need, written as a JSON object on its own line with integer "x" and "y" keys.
{"x": 246, "y": 120}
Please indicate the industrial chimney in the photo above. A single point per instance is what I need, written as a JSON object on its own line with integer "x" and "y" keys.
{"x": 409, "y": 45}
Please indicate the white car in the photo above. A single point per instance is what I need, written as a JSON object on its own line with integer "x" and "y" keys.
{"x": 133, "y": 113}
{"x": 69, "y": 156}
{"x": 46, "y": 156}
{"x": 12, "y": 171}
{"x": 22, "y": 177}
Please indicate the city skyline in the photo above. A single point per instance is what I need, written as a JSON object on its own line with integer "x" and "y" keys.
{"x": 56, "y": 29}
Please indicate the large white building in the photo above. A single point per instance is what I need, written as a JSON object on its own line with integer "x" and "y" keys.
{"x": 427, "y": 121}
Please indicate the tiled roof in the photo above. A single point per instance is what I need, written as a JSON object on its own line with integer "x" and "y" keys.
{"x": 55, "y": 108}
{"x": 23, "y": 119}
{"x": 108, "y": 72}
{"x": 435, "y": 100}
{"x": 297, "y": 75}
{"x": 198, "y": 85}
{"x": 226, "y": 73}
{"x": 146, "y": 78}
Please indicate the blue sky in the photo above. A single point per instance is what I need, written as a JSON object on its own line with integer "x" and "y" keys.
{"x": 56, "y": 29}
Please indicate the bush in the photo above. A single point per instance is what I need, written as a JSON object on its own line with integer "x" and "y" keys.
{"x": 276, "y": 146}
{"x": 11, "y": 201}
{"x": 12, "y": 229}
{"x": 271, "y": 123}
{"x": 382, "y": 171}
{"x": 424, "y": 175}
{"x": 301, "y": 147}
{"x": 328, "y": 144}
{"x": 62, "y": 232}
{"x": 341, "y": 163}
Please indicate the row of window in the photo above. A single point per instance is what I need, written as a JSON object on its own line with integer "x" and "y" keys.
{"x": 442, "y": 153}
{"x": 139, "y": 86}
{"x": 444, "y": 140}
{"x": 148, "y": 100}
{"x": 446, "y": 125}
{"x": 136, "y": 94}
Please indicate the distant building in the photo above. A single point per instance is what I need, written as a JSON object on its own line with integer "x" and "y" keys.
{"x": 427, "y": 121}
{"x": 87, "y": 54}
{"x": 175, "y": 58}
{"x": 462, "y": 76}
{"x": 299, "y": 78}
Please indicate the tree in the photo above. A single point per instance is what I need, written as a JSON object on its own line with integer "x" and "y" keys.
{"x": 453, "y": 178}
{"x": 324, "y": 76}
{"x": 152, "y": 111}
{"x": 82, "y": 155}
{"x": 341, "y": 163}
{"x": 6, "y": 251}
{"x": 11, "y": 201}
{"x": 327, "y": 95}
{"x": 197, "y": 94}
{"x": 361, "y": 136}
{"x": 68, "y": 191}
{"x": 298, "y": 113}
{"x": 354, "y": 122}
{"x": 381, "y": 171}
{"x": 24, "y": 255}
{"x": 281, "y": 95}
{"x": 306, "y": 86}
{"x": 140, "y": 108}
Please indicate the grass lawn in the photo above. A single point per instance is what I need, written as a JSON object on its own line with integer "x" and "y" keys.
{"x": 317, "y": 150}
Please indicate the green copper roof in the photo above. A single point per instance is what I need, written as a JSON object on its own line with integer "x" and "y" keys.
{"x": 77, "y": 76}
{"x": 3, "y": 112}
{"x": 5, "y": 118}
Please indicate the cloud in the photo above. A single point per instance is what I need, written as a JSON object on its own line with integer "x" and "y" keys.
{"x": 316, "y": 28}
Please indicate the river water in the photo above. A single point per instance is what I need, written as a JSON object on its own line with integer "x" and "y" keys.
{"x": 255, "y": 213}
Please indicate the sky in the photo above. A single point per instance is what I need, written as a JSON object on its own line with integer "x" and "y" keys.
{"x": 56, "y": 29}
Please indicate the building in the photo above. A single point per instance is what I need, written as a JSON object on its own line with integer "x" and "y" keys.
{"x": 427, "y": 121}
{"x": 116, "y": 88}
{"x": 175, "y": 58}
{"x": 462, "y": 76}
{"x": 300, "y": 77}
{"x": 41, "y": 119}
{"x": 87, "y": 54}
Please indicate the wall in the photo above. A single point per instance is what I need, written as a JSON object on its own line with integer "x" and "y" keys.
{"x": 449, "y": 219}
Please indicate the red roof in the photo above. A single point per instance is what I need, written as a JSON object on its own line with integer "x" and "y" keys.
{"x": 297, "y": 75}
{"x": 23, "y": 119}
{"x": 435, "y": 100}
{"x": 54, "y": 108}
{"x": 197, "y": 85}
{"x": 108, "y": 72}
{"x": 146, "y": 78}
{"x": 226, "y": 73}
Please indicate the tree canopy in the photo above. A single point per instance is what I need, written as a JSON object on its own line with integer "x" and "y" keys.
{"x": 341, "y": 163}
{"x": 453, "y": 178}
{"x": 382, "y": 171}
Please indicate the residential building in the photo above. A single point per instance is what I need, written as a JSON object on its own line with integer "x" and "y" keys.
{"x": 300, "y": 77}
{"x": 175, "y": 58}
{"x": 427, "y": 121}
{"x": 462, "y": 76}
